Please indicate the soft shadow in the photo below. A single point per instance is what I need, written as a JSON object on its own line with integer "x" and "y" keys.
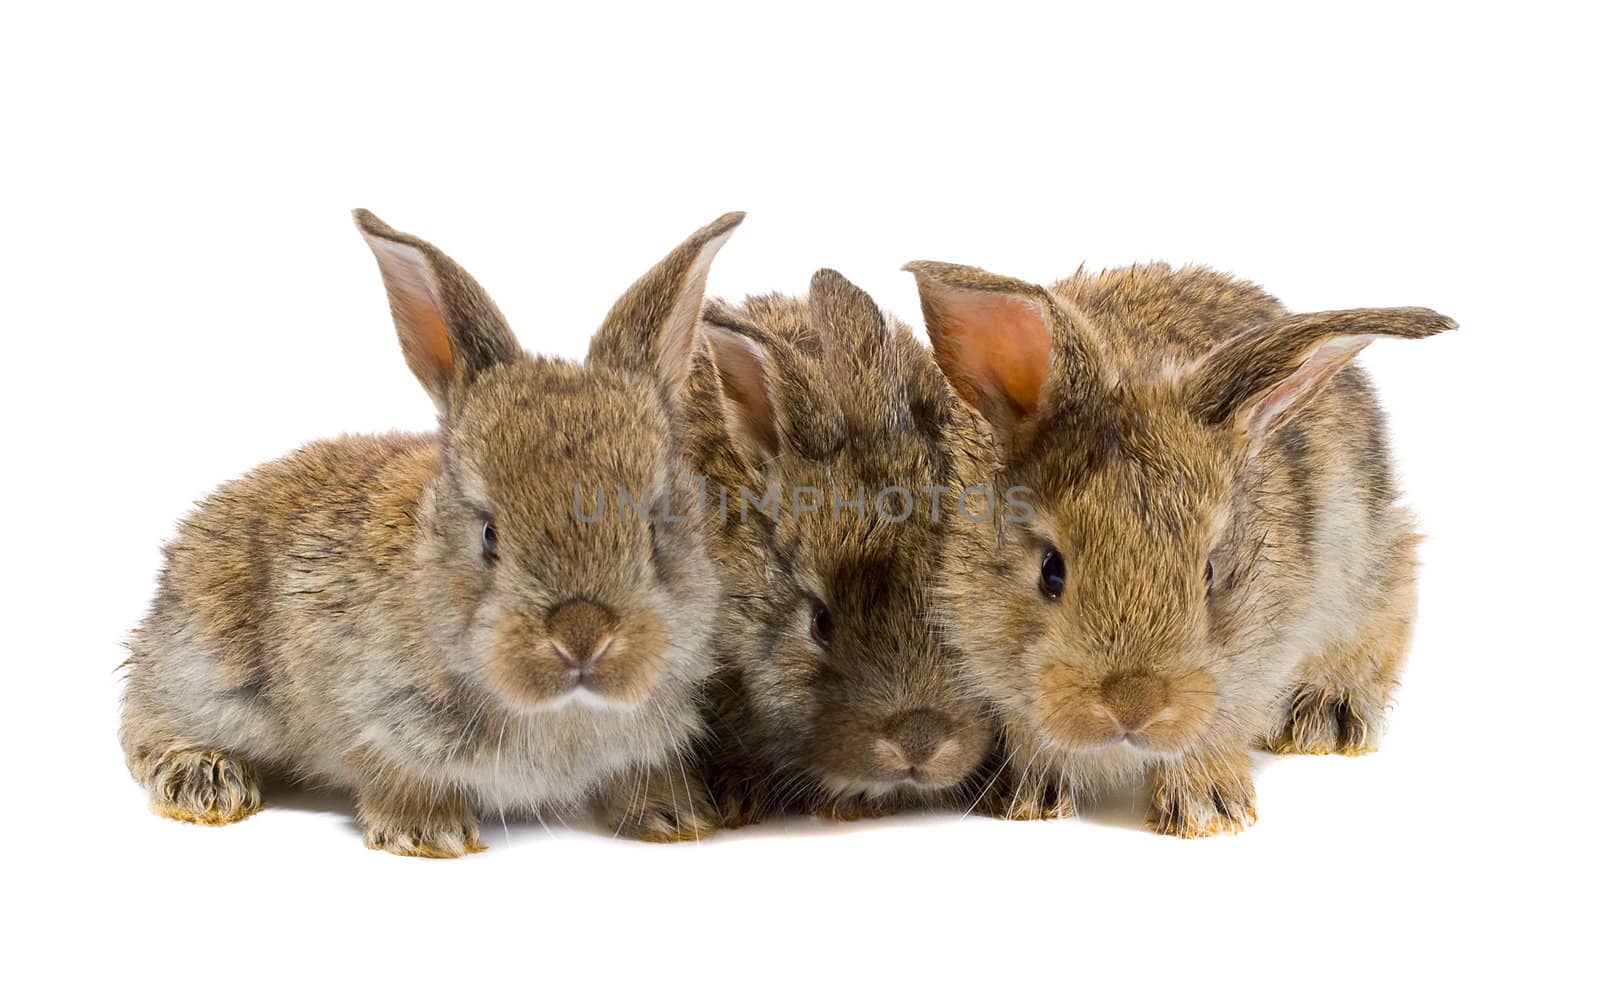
{"x": 280, "y": 795}
{"x": 492, "y": 826}
{"x": 313, "y": 800}
{"x": 1129, "y": 807}
{"x": 810, "y": 826}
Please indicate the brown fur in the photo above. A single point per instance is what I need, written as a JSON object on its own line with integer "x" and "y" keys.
{"x": 1181, "y": 419}
{"x": 827, "y": 393}
{"x": 339, "y": 616}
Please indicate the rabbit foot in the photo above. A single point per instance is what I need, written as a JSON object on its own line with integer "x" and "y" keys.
{"x": 1194, "y": 799}
{"x": 203, "y": 786}
{"x": 660, "y": 806}
{"x": 854, "y": 809}
{"x": 1033, "y": 800}
{"x": 736, "y": 810}
{"x": 1323, "y": 721}
{"x": 743, "y": 797}
{"x": 407, "y": 827}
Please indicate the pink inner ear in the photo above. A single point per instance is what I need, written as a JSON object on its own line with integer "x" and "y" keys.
{"x": 424, "y": 337}
{"x": 995, "y": 347}
{"x": 744, "y": 385}
{"x": 1301, "y": 386}
{"x": 677, "y": 343}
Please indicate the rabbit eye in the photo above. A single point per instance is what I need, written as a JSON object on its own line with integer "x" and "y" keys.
{"x": 1052, "y": 574}
{"x": 821, "y": 625}
{"x": 1211, "y": 575}
{"x": 491, "y": 541}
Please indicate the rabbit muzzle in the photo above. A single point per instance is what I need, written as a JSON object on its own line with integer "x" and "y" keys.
{"x": 579, "y": 653}
{"x": 1159, "y": 712}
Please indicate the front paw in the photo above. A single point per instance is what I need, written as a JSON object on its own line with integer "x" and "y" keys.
{"x": 1025, "y": 798}
{"x": 407, "y": 828}
{"x": 1197, "y": 798}
{"x": 853, "y": 809}
{"x": 738, "y": 807}
{"x": 1323, "y": 721}
{"x": 660, "y": 805}
{"x": 203, "y": 786}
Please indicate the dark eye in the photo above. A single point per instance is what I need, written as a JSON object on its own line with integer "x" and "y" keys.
{"x": 1211, "y": 575}
{"x": 491, "y": 541}
{"x": 1052, "y": 574}
{"x": 821, "y": 625}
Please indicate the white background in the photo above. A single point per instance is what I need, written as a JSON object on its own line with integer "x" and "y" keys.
{"x": 185, "y": 296}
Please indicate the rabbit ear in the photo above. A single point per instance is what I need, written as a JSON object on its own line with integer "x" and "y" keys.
{"x": 450, "y": 330}
{"x": 857, "y": 348}
{"x": 849, "y": 314}
{"x": 1259, "y": 379}
{"x": 650, "y": 330}
{"x": 1007, "y": 346}
{"x": 742, "y": 364}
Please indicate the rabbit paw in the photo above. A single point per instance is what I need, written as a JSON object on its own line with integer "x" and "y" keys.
{"x": 854, "y": 809}
{"x": 1194, "y": 799}
{"x": 203, "y": 786}
{"x": 742, "y": 797}
{"x": 1037, "y": 799}
{"x": 736, "y": 809}
{"x": 660, "y": 806}
{"x": 442, "y": 831}
{"x": 1323, "y": 721}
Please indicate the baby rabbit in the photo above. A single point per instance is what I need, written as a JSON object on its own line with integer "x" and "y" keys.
{"x": 422, "y": 619}
{"x": 837, "y": 697}
{"x": 1216, "y": 560}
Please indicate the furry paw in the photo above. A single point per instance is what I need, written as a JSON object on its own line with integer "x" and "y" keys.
{"x": 660, "y": 806}
{"x": 1322, "y": 721}
{"x": 1036, "y": 799}
{"x": 854, "y": 809}
{"x": 1193, "y": 800}
{"x": 445, "y": 831}
{"x": 203, "y": 786}
{"x": 736, "y": 809}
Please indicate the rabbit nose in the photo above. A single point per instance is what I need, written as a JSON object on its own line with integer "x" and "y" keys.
{"x": 918, "y": 735}
{"x": 1133, "y": 700}
{"x": 580, "y": 634}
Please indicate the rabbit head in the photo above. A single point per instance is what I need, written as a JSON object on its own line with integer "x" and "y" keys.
{"x": 834, "y": 415}
{"x": 1133, "y": 407}
{"x": 542, "y": 606}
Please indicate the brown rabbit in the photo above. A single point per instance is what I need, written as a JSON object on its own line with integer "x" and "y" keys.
{"x": 422, "y": 619}
{"x": 1216, "y": 559}
{"x": 837, "y": 697}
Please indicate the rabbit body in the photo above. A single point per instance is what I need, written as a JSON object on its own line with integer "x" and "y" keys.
{"x": 423, "y": 619}
{"x": 837, "y": 695}
{"x": 1218, "y": 560}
